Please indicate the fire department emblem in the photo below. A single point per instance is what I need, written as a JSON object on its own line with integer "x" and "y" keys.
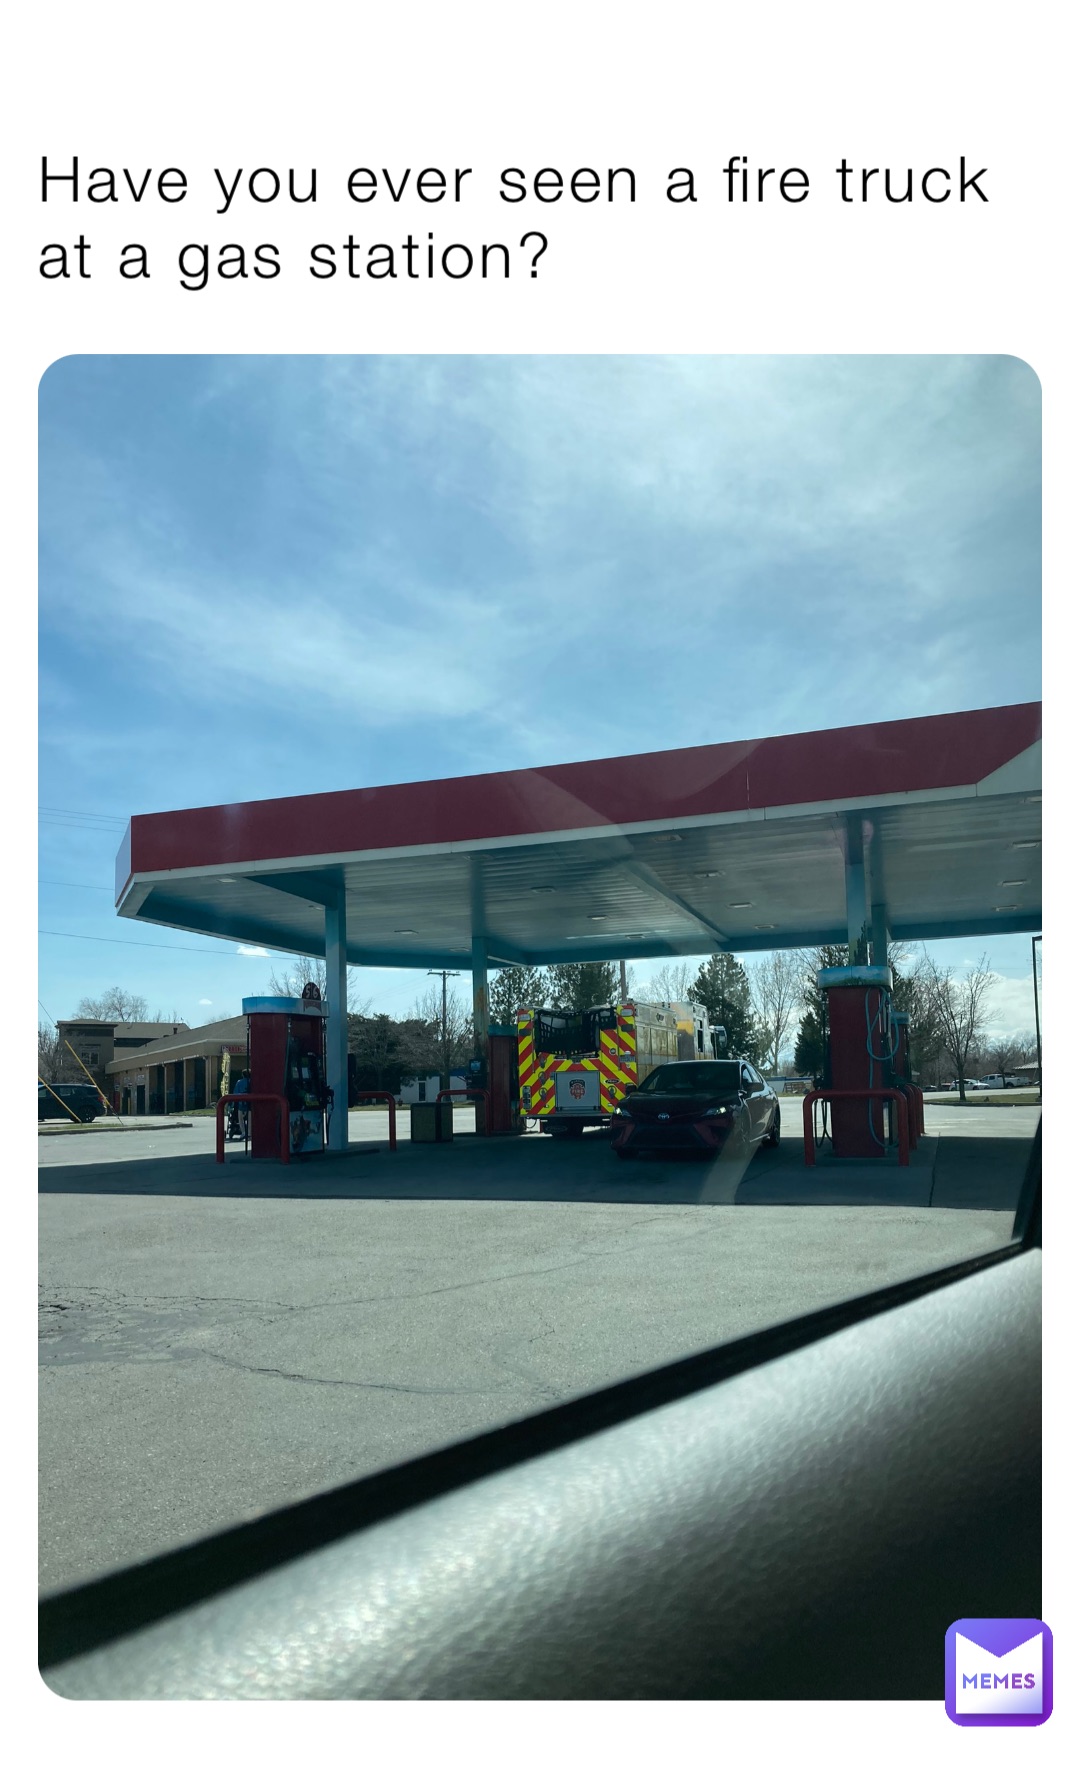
{"x": 577, "y": 1090}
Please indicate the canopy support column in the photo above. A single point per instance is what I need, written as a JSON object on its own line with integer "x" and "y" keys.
{"x": 879, "y": 934}
{"x": 855, "y": 883}
{"x": 337, "y": 1021}
{"x": 879, "y": 909}
{"x": 481, "y": 1007}
{"x": 481, "y": 961}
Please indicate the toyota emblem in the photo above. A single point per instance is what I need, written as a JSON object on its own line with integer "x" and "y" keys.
{"x": 663, "y": 1116}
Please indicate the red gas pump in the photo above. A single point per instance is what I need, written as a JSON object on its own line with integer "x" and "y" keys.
{"x": 860, "y": 1053}
{"x": 902, "y": 1078}
{"x": 287, "y": 1056}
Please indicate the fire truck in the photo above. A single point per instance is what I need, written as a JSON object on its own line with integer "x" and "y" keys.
{"x": 573, "y": 1070}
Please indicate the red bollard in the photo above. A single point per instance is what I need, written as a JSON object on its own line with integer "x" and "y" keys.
{"x": 245, "y": 1100}
{"x": 856, "y": 1094}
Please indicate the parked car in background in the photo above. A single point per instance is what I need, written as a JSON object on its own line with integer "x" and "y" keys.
{"x": 707, "y": 1107}
{"x": 997, "y": 1080}
{"x": 78, "y": 1098}
{"x": 969, "y": 1082}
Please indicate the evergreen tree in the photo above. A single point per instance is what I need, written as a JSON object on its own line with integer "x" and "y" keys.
{"x": 515, "y": 989}
{"x": 573, "y": 988}
{"x": 390, "y": 1053}
{"x": 723, "y": 989}
{"x": 810, "y": 1045}
{"x": 911, "y": 993}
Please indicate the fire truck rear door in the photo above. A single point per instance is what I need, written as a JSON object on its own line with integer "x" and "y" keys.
{"x": 577, "y": 1091}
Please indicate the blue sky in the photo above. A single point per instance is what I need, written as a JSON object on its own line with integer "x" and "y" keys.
{"x": 267, "y": 575}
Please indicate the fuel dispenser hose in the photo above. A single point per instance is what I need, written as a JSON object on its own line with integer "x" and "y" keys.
{"x": 894, "y": 1043}
{"x": 818, "y": 1141}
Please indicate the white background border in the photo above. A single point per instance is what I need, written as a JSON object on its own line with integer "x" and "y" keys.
{"x": 564, "y": 85}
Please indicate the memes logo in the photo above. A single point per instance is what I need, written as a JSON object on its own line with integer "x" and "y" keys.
{"x": 998, "y": 1672}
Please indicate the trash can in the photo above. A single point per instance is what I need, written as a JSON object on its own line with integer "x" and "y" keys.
{"x": 431, "y": 1122}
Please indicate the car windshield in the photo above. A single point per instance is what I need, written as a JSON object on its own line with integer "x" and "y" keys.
{"x": 693, "y": 1079}
{"x": 575, "y": 849}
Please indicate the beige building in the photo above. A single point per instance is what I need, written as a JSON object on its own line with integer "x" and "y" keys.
{"x": 97, "y": 1043}
{"x": 179, "y": 1072}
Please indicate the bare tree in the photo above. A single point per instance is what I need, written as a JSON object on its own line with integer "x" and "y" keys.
{"x": 1004, "y": 1054}
{"x": 303, "y": 970}
{"x": 672, "y": 983}
{"x": 776, "y": 988}
{"x": 297, "y": 972}
{"x": 450, "y": 1029}
{"x": 914, "y": 993}
{"x": 963, "y": 1005}
{"x": 115, "y": 1004}
{"x": 48, "y": 1053}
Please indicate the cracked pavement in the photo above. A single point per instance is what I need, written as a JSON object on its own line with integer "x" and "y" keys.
{"x": 206, "y": 1358}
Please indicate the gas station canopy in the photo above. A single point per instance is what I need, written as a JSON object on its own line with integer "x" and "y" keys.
{"x": 933, "y": 825}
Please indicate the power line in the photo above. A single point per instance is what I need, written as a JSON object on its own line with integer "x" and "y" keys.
{"x": 114, "y": 941}
{"x": 74, "y": 812}
{"x": 109, "y": 831}
{"x": 79, "y": 885}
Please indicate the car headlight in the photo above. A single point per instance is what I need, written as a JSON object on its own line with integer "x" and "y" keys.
{"x": 621, "y": 1113}
{"x": 717, "y": 1113}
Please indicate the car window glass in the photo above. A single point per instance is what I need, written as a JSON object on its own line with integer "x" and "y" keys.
{"x": 453, "y": 554}
{"x": 691, "y": 1078}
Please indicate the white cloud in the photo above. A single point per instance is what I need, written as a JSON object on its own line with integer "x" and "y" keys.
{"x": 206, "y": 1002}
{"x": 1012, "y": 1009}
{"x": 458, "y": 519}
{"x": 254, "y": 952}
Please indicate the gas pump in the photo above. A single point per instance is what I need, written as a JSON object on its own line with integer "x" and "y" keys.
{"x": 287, "y": 1056}
{"x": 860, "y": 1051}
{"x": 901, "y": 1064}
{"x": 502, "y": 1071}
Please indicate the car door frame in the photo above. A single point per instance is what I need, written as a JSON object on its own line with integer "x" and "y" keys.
{"x": 757, "y": 1102}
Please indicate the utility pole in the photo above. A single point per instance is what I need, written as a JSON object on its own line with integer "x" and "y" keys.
{"x": 444, "y": 1071}
{"x": 622, "y": 980}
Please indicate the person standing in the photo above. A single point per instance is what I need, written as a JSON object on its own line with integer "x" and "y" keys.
{"x": 242, "y": 1086}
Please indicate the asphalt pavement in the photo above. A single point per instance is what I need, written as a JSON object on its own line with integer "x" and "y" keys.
{"x": 219, "y": 1340}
